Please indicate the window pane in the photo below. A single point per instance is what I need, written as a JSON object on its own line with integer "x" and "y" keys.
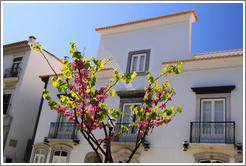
{"x": 141, "y": 65}
{"x": 64, "y": 153}
{"x": 42, "y": 151}
{"x": 219, "y": 111}
{"x": 206, "y": 111}
{"x": 126, "y": 118}
{"x": 134, "y": 63}
{"x": 57, "y": 153}
{"x": 36, "y": 159}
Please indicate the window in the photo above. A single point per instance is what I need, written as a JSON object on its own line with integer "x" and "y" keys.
{"x": 6, "y": 102}
{"x": 212, "y": 110}
{"x": 211, "y": 157}
{"x": 39, "y": 155}
{"x": 213, "y": 115}
{"x": 211, "y": 161}
{"x": 59, "y": 156}
{"x": 126, "y": 119}
{"x": 16, "y": 67}
{"x": 138, "y": 61}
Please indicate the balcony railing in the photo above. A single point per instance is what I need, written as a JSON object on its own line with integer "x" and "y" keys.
{"x": 12, "y": 72}
{"x": 212, "y": 132}
{"x": 63, "y": 130}
{"x": 128, "y": 136}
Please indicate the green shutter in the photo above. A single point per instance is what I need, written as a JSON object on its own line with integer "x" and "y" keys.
{"x": 17, "y": 59}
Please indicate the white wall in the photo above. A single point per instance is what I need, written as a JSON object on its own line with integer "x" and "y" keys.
{"x": 26, "y": 100}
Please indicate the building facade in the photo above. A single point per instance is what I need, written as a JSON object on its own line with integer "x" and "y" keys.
{"x": 210, "y": 90}
{"x": 22, "y": 89}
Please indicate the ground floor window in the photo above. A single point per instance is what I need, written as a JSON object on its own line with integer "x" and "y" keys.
{"x": 210, "y": 161}
{"x": 39, "y": 155}
{"x": 59, "y": 156}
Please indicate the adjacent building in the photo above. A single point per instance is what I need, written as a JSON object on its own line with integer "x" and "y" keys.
{"x": 22, "y": 90}
{"x": 210, "y": 90}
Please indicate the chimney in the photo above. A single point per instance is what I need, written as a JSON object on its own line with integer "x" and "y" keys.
{"x": 66, "y": 57}
{"x": 32, "y": 39}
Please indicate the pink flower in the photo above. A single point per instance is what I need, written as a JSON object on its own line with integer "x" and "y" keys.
{"x": 147, "y": 88}
{"x": 169, "y": 99}
{"x": 141, "y": 132}
{"x": 163, "y": 105}
{"x": 112, "y": 132}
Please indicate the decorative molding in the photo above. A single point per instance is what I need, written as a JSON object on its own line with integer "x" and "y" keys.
{"x": 213, "y": 89}
{"x": 131, "y": 94}
{"x": 211, "y": 155}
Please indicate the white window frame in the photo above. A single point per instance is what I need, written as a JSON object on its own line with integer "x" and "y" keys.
{"x": 213, "y": 108}
{"x": 211, "y": 160}
{"x": 59, "y": 157}
{"x": 39, "y": 155}
{"x": 132, "y": 105}
{"x": 138, "y": 62}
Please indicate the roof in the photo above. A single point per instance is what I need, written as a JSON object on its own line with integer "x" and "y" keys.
{"x": 26, "y": 42}
{"x": 60, "y": 74}
{"x": 217, "y": 52}
{"x": 16, "y": 43}
{"x": 202, "y": 59}
{"x": 52, "y": 55}
{"x": 150, "y": 19}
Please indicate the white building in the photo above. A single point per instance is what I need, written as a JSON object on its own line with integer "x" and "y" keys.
{"x": 22, "y": 90}
{"x": 210, "y": 90}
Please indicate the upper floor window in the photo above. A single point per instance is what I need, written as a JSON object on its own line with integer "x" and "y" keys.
{"x": 213, "y": 110}
{"x": 138, "y": 61}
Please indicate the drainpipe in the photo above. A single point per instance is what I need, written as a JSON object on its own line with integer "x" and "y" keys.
{"x": 29, "y": 150}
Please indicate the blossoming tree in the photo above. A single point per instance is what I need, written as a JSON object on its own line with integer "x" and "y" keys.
{"x": 86, "y": 106}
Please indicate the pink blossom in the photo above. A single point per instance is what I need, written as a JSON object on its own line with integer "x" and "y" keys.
{"x": 163, "y": 105}
{"x": 141, "y": 132}
{"x": 112, "y": 132}
{"x": 60, "y": 109}
{"x": 147, "y": 88}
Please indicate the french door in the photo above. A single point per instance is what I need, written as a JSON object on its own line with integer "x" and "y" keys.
{"x": 212, "y": 118}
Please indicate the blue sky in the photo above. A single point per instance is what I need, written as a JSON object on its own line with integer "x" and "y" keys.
{"x": 220, "y": 25}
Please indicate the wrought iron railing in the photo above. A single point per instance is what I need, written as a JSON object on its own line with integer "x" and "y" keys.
{"x": 63, "y": 130}
{"x": 128, "y": 136}
{"x": 12, "y": 72}
{"x": 212, "y": 132}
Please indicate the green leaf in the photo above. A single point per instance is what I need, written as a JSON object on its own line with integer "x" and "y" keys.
{"x": 93, "y": 101}
{"x": 115, "y": 113}
{"x": 76, "y": 54}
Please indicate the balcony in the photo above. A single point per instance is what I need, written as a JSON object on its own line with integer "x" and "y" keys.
{"x": 62, "y": 130}
{"x": 212, "y": 132}
{"x": 128, "y": 136}
{"x": 12, "y": 72}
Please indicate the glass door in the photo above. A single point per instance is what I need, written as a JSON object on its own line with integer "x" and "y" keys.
{"x": 212, "y": 118}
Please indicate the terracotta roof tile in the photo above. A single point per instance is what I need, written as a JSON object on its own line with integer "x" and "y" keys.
{"x": 202, "y": 59}
{"x": 217, "y": 52}
{"x": 150, "y": 19}
{"x": 16, "y": 43}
